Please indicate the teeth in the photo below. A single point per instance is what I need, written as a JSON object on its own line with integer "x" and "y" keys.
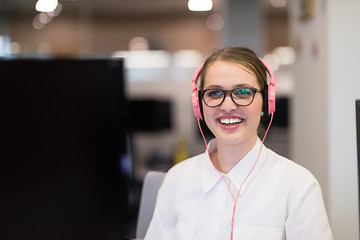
{"x": 230, "y": 121}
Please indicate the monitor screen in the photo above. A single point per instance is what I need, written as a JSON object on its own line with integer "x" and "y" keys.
{"x": 358, "y": 127}
{"x": 357, "y": 112}
{"x": 157, "y": 112}
{"x": 63, "y": 135}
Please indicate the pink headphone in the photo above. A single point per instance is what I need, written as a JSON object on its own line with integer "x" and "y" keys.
{"x": 269, "y": 92}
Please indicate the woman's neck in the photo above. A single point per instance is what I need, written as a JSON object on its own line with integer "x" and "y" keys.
{"x": 226, "y": 156}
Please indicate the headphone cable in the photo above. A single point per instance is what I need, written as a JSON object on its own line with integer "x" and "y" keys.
{"x": 222, "y": 176}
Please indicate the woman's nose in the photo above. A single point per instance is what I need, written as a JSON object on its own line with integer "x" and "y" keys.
{"x": 228, "y": 104}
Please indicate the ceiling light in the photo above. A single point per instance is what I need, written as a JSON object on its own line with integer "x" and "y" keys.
{"x": 200, "y": 5}
{"x": 273, "y": 61}
{"x": 187, "y": 58}
{"x": 215, "y": 22}
{"x": 37, "y": 24}
{"x": 46, "y": 5}
{"x": 278, "y": 3}
{"x": 56, "y": 12}
{"x": 285, "y": 54}
{"x": 138, "y": 44}
{"x": 156, "y": 59}
{"x": 44, "y": 18}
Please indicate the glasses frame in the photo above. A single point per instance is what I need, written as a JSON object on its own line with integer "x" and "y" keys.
{"x": 226, "y": 92}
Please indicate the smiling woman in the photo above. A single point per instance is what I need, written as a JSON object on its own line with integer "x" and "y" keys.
{"x": 238, "y": 188}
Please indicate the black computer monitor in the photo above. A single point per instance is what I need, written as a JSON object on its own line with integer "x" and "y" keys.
{"x": 63, "y": 141}
{"x": 358, "y": 127}
{"x": 157, "y": 112}
{"x": 357, "y": 112}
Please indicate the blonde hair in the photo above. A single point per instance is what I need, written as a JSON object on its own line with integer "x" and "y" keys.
{"x": 239, "y": 55}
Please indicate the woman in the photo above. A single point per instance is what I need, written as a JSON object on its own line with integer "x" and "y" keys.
{"x": 238, "y": 188}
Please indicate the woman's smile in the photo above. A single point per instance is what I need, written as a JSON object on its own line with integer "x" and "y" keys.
{"x": 230, "y": 122}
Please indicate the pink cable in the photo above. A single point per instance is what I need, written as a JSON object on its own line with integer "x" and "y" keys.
{"x": 228, "y": 186}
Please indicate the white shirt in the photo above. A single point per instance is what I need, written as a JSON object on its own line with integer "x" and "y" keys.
{"x": 279, "y": 200}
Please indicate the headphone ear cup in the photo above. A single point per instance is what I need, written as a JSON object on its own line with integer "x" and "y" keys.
{"x": 196, "y": 104}
{"x": 201, "y": 106}
{"x": 265, "y": 100}
{"x": 196, "y": 101}
{"x": 269, "y": 92}
{"x": 271, "y": 99}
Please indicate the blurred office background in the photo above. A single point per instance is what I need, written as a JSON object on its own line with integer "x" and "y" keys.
{"x": 312, "y": 46}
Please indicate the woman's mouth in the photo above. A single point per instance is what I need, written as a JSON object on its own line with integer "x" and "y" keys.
{"x": 230, "y": 121}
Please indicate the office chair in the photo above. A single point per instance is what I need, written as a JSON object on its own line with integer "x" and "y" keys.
{"x": 151, "y": 185}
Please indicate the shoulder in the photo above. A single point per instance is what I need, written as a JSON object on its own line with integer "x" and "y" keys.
{"x": 185, "y": 171}
{"x": 187, "y": 166}
{"x": 182, "y": 180}
{"x": 288, "y": 170}
{"x": 300, "y": 190}
{"x": 289, "y": 179}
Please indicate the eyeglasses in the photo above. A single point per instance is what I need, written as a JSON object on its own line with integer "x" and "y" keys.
{"x": 242, "y": 96}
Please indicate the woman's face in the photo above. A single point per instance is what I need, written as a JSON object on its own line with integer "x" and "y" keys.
{"x": 227, "y": 76}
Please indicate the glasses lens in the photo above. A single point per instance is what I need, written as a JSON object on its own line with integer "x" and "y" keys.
{"x": 213, "y": 97}
{"x": 243, "y": 96}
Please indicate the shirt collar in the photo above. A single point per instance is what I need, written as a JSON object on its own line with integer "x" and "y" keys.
{"x": 238, "y": 174}
{"x": 210, "y": 175}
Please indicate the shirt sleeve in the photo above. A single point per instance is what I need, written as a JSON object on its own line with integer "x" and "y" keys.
{"x": 307, "y": 217}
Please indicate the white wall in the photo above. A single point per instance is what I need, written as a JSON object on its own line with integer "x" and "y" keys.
{"x": 327, "y": 84}
{"x": 344, "y": 79}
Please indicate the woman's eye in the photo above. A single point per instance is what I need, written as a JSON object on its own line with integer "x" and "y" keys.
{"x": 215, "y": 93}
{"x": 242, "y": 92}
